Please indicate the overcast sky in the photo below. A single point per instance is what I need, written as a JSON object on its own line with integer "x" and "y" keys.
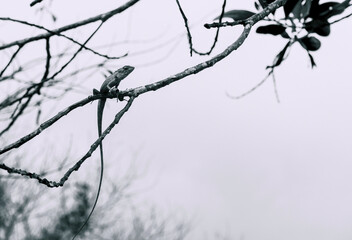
{"x": 253, "y": 167}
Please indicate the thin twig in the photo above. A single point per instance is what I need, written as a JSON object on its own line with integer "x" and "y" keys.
{"x": 275, "y": 86}
{"x": 100, "y": 17}
{"x": 35, "y": 88}
{"x": 248, "y": 23}
{"x": 187, "y": 28}
{"x": 250, "y": 90}
{"x": 61, "y": 35}
{"x": 11, "y": 59}
{"x": 47, "y": 63}
{"x": 93, "y": 147}
{"x": 133, "y": 93}
{"x": 217, "y": 33}
{"x": 12, "y": 75}
{"x": 338, "y": 20}
{"x": 224, "y": 24}
{"x": 76, "y": 53}
{"x": 189, "y": 35}
{"x": 15, "y": 116}
{"x": 50, "y": 122}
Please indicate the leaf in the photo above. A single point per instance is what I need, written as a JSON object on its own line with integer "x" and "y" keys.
{"x": 285, "y": 35}
{"x": 319, "y": 26}
{"x": 237, "y": 15}
{"x": 342, "y": 6}
{"x": 330, "y": 9}
{"x": 289, "y": 6}
{"x": 256, "y": 5}
{"x": 302, "y": 9}
{"x": 314, "y": 4}
{"x": 314, "y": 9}
{"x": 310, "y": 43}
{"x": 324, "y": 9}
{"x": 306, "y": 8}
{"x": 272, "y": 29}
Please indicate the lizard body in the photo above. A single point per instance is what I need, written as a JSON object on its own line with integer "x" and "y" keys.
{"x": 110, "y": 84}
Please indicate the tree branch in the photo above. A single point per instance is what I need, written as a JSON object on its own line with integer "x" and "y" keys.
{"x": 133, "y": 93}
{"x": 60, "y": 35}
{"x": 78, "y": 164}
{"x": 248, "y": 23}
{"x": 100, "y": 17}
{"x": 189, "y": 35}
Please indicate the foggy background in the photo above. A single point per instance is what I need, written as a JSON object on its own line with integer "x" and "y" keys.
{"x": 251, "y": 168}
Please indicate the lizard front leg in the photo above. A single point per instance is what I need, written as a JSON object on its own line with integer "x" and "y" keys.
{"x": 115, "y": 91}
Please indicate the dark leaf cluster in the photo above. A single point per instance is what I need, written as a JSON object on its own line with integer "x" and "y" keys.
{"x": 302, "y": 19}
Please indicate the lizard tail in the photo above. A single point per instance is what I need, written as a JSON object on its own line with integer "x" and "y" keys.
{"x": 101, "y": 105}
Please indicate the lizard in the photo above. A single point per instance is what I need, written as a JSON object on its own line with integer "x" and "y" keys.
{"x": 109, "y": 85}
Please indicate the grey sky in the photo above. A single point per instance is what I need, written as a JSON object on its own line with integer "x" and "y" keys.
{"x": 252, "y": 167}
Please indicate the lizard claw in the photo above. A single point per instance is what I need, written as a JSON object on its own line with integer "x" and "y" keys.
{"x": 120, "y": 97}
{"x": 114, "y": 91}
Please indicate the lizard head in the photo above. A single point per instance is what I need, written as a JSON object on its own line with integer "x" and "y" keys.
{"x": 124, "y": 71}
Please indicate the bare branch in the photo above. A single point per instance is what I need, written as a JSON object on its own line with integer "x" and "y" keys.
{"x": 11, "y": 59}
{"x": 187, "y": 28}
{"x": 61, "y": 35}
{"x": 78, "y": 164}
{"x": 224, "y": 24}
{"x": 338, "y": 20}
{"x": 189, "y": 32}
{"x": 252, "y": 89}
{"x": 15, "y": 115}
{"x": 47, "y": 64}
{"x": 49, "y": 122}
{"x": 35, "y": 88}
{"x": 275, "y": 87}
{"x": 76, "y": 53}
{"x": 248, "y": 23}
{"x": 255, "y": 18}
{"x": 133, "y": 93}
{"x": 22, "y": 107}
{"x": 101, "y": 17}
